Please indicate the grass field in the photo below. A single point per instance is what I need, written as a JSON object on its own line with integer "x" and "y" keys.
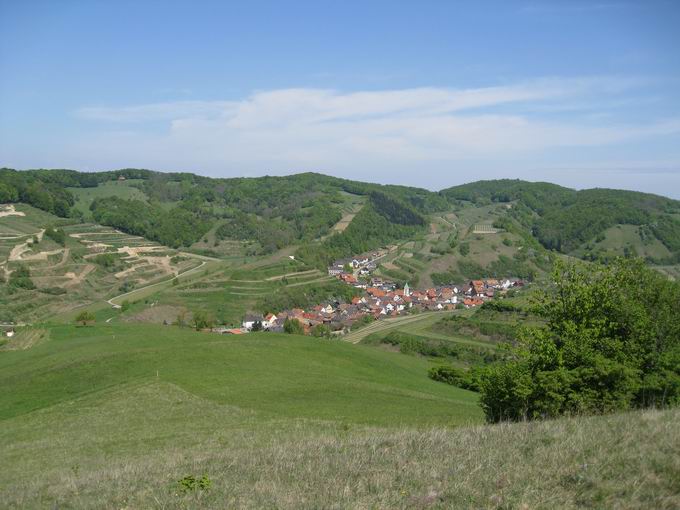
{"x": 618, "y": 237}
{"x": 122, "y": 189}
{"x": 113, "y": 416}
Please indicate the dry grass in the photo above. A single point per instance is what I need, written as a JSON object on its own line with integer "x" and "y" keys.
{"x": 25, "y": 338}
{"x": 129, "y": 449}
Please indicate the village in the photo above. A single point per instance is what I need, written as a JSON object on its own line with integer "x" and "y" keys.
{"x": 380, "y": 299}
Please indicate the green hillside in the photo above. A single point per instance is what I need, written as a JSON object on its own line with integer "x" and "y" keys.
{"x": 487, "y": 229}
{"x": 114, "y": 416}
{"x": 573, "y": 221}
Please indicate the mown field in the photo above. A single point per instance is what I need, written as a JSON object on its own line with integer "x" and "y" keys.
{"x": 112, "y": 416}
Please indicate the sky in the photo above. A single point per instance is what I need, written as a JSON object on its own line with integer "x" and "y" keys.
{"x": 425, "y": 93}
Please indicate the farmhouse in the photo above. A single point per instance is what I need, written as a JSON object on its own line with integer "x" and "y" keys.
{"x": 250, "y": 319}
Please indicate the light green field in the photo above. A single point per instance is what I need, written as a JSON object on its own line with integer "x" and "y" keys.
{"x": 122, "y": 189}
{"x": 279, "y": 375}
{"x": 113, "y": 416}
{"x": 620, "y": 236}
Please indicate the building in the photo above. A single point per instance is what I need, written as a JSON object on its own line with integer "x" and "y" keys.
{"x": 250, "y": 319}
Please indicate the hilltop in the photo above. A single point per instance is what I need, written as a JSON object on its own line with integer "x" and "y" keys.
{"x": 119, "y": 414}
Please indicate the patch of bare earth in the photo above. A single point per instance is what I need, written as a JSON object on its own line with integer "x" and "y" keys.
{"x": 158, "y": 314}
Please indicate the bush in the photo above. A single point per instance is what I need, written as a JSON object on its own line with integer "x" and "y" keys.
{"x": 293, "y": 327}
{"x": 21, "y": 278}
{"x": 202, "y": 320}
{"x": 611, "y": 341}
{"x": 85, "y": 317}
{"x": 57, "y": 235}
{"x": 466, "y": 379}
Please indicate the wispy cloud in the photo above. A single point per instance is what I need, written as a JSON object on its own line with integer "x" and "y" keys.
{"x": 155, "y": 111}
{"x": 318, "y": 129}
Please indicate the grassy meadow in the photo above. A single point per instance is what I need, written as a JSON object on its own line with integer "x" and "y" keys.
{"x": 114, "y": 415}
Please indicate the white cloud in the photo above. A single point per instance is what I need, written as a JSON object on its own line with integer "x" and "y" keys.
{"x": 283, "y": 131}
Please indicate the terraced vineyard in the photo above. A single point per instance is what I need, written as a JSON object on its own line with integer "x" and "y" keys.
{"x": 227, "y": 293}
{"x": 90, "y": 263}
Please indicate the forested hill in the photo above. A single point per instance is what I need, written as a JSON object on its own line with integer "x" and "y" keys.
{"x": 179, "y": 209}
{"x": 578, "y": 221}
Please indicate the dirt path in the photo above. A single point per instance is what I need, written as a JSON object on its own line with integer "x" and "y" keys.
{"x": 78, "y": 278}
{"x": 111, "y": 301}
{"x": 17, "y": 251}
{"x": 387, "y": 324}
{"x": 9, "y": 210}
{"x": 42, "y": 255}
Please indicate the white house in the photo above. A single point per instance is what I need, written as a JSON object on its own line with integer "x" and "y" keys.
{"x": 250, "y": 319}
{"x": 269, "y": 320}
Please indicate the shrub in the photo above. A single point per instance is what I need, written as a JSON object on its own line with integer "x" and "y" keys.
{"x": 466, "y": 379}
{"x": 202, "y": 320}
{"x": 611, "y": 341}
{"x": 191, "y": 483}
{"x": 85, "y": 317}
{"x": 293, "y": 327}
{"x": 56, "y": 234}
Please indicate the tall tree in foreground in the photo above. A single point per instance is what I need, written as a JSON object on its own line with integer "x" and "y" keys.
{"x": 611, "y": 341}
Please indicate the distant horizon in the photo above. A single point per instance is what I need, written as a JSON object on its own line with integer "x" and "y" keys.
{"x": 677, "y": 197}
{"x": 582, "y": 93}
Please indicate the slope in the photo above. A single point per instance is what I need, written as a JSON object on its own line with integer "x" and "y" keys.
{"x": 113, "y": 416}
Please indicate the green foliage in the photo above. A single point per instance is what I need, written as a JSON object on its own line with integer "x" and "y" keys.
{"x": 381, "y": 221}
{"x": 563, "y": 219}
{"x": 202, "y": 320}
{"x": 611, "y": 341}
{"x": 85, "y": 317}
{"x": 30, "y": 188}
{"x": 177, "y": 227}
{"x": 305, "y": 296}
{"x": 293, "y": 327}
{"x": 107, "y": 260}
{"x": 8, "y": 193}
{"x": 321, "y": 331}
{"x": 190, "y": 483}
{"x": 480, "y": 325}
{"x": 54, "y": 291}
{"x": 56, "y": 234}
{"x": 412, "y": 344}
{"x": 466, "y": 379}
{"x": 127, "y": 286}
{"x": 464, "y": 249}
{"x": 21, "y": 278}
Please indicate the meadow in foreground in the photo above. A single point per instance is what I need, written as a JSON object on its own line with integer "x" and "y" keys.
{"x": 114, "y": 416}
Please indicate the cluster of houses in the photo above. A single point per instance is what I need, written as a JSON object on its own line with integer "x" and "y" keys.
{"x": 362, "y": 265}
{"x": 380, "y": 299}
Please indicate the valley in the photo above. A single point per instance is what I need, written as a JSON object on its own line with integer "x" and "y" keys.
{"x": 131, "y": 357}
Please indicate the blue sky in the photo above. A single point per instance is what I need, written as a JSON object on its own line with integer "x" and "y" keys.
{"x": 423, "y": 93}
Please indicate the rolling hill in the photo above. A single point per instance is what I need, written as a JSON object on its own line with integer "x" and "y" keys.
{"x": 133, "y": 416}
{"x": 131, "y": 228}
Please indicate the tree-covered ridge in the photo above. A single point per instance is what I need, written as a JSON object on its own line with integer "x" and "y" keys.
{"x": 180, "y": 226}
{"x": 383, "y": 220}
{"x": 538, "y": 196}
{"x": 182, "y": 207}
{"x": 563, "y": 219}
{"x": 279, "y": 211}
